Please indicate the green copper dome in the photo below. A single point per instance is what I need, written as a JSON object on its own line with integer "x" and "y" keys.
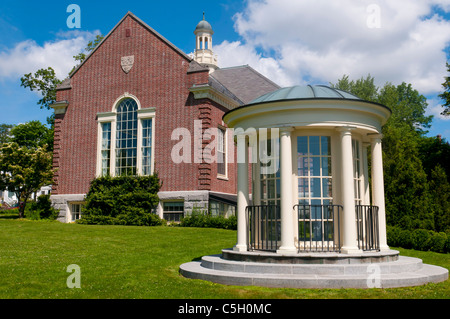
{"x": 305, "y": 92}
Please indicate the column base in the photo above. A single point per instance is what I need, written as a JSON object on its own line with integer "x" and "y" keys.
{"x": 240, "y": 248}
{"x": 384, "y": 248}
{"x": 287, "y": 250}
{"x": 351, "y": 250}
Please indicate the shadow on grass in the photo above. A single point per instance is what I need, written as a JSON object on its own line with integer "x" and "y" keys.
{"x": 6, "y": 214}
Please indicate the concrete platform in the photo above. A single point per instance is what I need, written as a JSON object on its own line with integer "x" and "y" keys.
{"x": 347, "y": 273}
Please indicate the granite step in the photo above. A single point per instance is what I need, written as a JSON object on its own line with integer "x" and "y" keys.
{"x": 406, "y": 271}
{"x": 403, "y": 264}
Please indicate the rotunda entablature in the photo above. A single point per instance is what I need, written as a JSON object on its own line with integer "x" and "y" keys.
{"x": 328, "y": 108}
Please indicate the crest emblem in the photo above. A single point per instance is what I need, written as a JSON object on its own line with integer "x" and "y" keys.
{"x": 127, "y": 63}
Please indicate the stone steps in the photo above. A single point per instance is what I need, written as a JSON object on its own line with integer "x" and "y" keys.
{"x": 405, "y": 271}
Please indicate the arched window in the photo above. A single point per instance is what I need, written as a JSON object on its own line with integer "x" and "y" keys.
{"x": 126, "y": 137}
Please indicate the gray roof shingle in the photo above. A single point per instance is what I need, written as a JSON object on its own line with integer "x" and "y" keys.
{"x": 244, "y": 82}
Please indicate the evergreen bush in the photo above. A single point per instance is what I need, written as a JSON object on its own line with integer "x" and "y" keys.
{"x": 41, "y": 209}
{"x": 122, "y": 200}
{"x": 199, "y": 219}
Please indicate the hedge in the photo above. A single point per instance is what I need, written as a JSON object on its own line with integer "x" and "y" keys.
{"x": 122, "y": 200}
{"x": 206, "y": 220}
{"x": 418, "y": 239}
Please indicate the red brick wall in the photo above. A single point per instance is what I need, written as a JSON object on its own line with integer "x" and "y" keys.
{"x": 158, "y": 79}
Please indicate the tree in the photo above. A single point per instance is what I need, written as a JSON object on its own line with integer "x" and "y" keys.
{"x": 45, "y": 82}
{"x": 407, "y": 191}
{"x": 440, "y": 190}
{"x": 364, "y": 88}
{"x": 32, "y": 134}
{"x": 446, "y": 94}
{"x": 80, "y": 57}
{"x": 5, "y": 133}
{"x": 24, "y": 170}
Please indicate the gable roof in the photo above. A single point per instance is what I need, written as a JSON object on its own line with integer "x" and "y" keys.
{"x": 146, "y": 26}
{"x": 244, "y": 82}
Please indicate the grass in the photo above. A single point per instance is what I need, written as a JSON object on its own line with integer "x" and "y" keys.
{"x": 127, "y": 262}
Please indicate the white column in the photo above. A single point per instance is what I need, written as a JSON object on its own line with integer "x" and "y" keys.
{"x": 287, "y": 229}
{"x": 378, "y": 187}
{"x": 366, "y": 191}
{"x": 349, "y": 244}
{"x": 242, "y": 192}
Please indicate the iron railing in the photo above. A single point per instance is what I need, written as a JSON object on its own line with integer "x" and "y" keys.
{"x": 367, "y": 227}
{"x": 318, "y": 227}
{"x": 263, "y": 227}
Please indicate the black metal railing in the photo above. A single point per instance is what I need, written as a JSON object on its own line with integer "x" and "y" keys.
{"x": 318, "y": 227}
{"x": 367, "y": 227}
{"x": 263, "y": 227}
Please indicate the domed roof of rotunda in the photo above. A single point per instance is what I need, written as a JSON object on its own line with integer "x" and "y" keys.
{"x": 305, "y": 92}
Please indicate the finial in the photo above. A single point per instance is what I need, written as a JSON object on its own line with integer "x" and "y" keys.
{"x": 203, "y": 15}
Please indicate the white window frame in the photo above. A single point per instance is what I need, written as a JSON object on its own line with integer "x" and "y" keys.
{"x": 71, "y": 212}
{"x": 111, "y": 117}
{"x": 224, "y": 151}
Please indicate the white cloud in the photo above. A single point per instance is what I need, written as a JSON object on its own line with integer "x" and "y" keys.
{"x": 28, "y": 56}
{"x": 294, "y": 42}
{"x": 435, "y": 108}
{"x": 236, "y": 53}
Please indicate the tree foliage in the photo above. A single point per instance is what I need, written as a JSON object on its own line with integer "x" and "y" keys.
{"x": 122, "y": 200}
{"x": 24, "y": 170}
{"x": 43, "y": 81}
{"x": 32, "y": 134}
{"x": 5, "y": 133}
{"x": 445, "y": 96}
{"x": 414, "y": 165}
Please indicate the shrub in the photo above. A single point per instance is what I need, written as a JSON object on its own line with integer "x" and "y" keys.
{"x": 393, "y": 235}
{"x": 421, "y": 239}
{"x": 122, "y": 200}
{"x": 197, "y": 219}
{"x": 41, "y": 209}
{"x": 405, "y": 239}
{"x": 437, "y": 242}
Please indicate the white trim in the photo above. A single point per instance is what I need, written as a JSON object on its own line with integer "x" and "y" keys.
{"x": 225, "y": 149}
{"x": 59, "y": 107}
{"x": 111, "y": 117}
{"x": 144, "y": 114}
{"x": 70, "y": 210}
{"x": 208, "y": 92}
{"x": 124, "y": 96}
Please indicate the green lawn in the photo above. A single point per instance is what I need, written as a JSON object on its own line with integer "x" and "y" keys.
{"x": 127, "y": 262}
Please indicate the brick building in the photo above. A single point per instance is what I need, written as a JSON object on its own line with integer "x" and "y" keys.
{"x": 127, "y": 107}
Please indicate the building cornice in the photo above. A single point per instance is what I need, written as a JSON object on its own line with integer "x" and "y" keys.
{"x": 205, "y": 91}
{"x": 60, "y": 107}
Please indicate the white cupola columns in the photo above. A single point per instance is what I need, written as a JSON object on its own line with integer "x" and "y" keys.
{"x": 242, "y": 192}
{"x": 349, "y": 244}
{"x": 286, "y": 202}
{"x": 378, "y": 187}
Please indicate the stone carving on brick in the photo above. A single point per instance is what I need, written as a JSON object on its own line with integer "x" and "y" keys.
{"x": 127, "y": 63}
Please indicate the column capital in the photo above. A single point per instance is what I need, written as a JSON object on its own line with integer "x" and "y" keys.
{"x": 285, "y": 130}
{"x": 345, "y": 129}
{"x": 374, "y": 136}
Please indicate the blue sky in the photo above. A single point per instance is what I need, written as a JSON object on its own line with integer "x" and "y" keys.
{"x": 292, "y": 42}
